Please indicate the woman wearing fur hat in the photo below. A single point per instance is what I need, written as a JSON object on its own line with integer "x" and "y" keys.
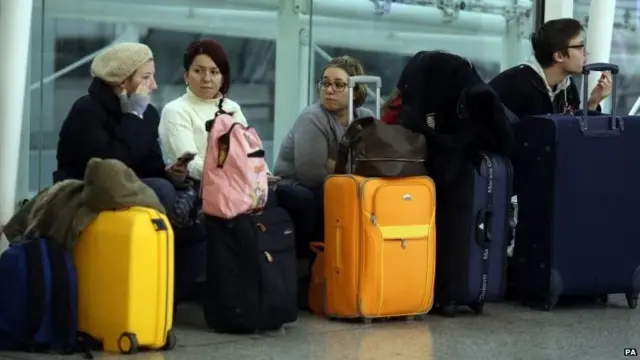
{"x": 116, "y": 121}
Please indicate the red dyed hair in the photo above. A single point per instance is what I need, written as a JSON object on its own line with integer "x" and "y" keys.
{"x": 216, "y": 52}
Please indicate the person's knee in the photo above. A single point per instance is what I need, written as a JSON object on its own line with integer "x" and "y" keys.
{"x": 295, "y": 194}
{"x": 164, "y": 189}
{"x": 299, "y": 202}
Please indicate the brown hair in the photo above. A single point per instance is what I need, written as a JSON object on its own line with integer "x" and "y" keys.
{"x": 216, "y": 52}
{"x": 352, "y": 67}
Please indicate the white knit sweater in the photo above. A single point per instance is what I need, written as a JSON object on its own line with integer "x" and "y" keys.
{"x": 182, "y": 127}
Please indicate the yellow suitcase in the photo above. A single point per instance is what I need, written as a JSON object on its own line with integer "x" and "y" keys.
{"x": 380, "y": 246}
{"x": 124, "y": 261}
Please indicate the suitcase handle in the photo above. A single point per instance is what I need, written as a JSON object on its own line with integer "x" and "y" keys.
{"x": 484, "y": 234}
{"x": 613, "y": 68}
{"x": 616, "y": 124}
{"x": 351, "y": 84}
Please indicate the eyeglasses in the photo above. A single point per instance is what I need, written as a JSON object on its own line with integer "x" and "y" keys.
{"x": 577, "y": 46}
{"x": 337, "y": 86}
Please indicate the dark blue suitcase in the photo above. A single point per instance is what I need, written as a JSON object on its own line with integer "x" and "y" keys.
{"x": 472, "y": 221}
{"x": 578, "y": 185}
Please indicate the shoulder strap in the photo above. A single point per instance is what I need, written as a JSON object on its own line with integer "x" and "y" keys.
{"x": 62, "y": 290}
{"x": 350, "y": 138}
{"x": 220, "y": 109}
{"x": 208, "y": 125}
{"x": 36, "y": 290}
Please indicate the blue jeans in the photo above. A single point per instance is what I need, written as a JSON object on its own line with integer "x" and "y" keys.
{"x": 189, "y": 261}
{"x": 164, "y": 189}
{"x": 299, "y": 202}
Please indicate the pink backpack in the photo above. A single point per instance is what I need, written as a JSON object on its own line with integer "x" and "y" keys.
{"x": 234, "y": 176}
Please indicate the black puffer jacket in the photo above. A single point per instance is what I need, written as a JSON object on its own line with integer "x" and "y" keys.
{"x": 444, "y": 98}
{"x": 96, "y": 127}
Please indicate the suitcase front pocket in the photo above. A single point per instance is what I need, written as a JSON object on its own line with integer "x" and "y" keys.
{"x": 398, "y": 255}
{"x": 398, "y": 280}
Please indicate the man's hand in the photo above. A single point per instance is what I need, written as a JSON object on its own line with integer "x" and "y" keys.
{"x": 177, "y": 173}
{"x": 601, "y": 91}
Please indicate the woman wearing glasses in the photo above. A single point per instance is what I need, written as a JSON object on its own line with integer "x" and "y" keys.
{"x": 310, "y": 149}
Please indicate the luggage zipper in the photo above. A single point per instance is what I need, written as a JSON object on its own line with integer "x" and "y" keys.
{"x": 361, "y": 252}
{"x": 160, "y": 226}
{"x": 393, "y": 159}
{"x": 373, "y": 219}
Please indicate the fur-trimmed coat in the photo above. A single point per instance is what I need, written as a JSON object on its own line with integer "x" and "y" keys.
{"x": 62, "y": 211}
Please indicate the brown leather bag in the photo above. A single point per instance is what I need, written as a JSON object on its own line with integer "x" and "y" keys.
{"x": 376, "y": 149}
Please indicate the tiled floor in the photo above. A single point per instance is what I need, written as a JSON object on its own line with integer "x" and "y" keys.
{"x": 504, "y": 332}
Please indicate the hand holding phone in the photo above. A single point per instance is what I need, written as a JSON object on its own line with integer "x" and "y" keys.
{"x": 185, "y": 159}
{"x": 181, "y": 163}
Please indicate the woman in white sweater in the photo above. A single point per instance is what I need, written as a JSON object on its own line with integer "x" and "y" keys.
{"x": 182, "y": 123}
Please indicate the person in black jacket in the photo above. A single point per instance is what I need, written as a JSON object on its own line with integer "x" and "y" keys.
{"x": 543, "y": 85}
{"x": 115, "y": 121}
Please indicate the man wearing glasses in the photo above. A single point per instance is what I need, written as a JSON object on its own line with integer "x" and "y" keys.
{"x": 543, "y": 85}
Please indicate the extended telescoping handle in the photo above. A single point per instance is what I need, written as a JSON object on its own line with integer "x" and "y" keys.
{"x": 364, "y": 79}
{"x": 351, "y": 84}
{"x": 586, "y": 70}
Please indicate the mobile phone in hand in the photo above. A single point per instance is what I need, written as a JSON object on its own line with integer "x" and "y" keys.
{"x": 185, "y": 159}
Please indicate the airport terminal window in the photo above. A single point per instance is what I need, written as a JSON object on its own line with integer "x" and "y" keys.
{"x": 389, "y": 35}
{"x": 66, "y": 33}
{"x": 624, "y": 45}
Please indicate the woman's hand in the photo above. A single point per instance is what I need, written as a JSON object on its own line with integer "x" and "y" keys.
{"x": 137, "y": 102}
{"x": 331, "y": 166}
{"x": 177, "y": 173}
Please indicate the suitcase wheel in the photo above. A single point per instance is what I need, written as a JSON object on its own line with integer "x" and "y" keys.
{"x": 549, "y": 304}
{"x": 603, "y": 299}
{"x": 128, "y": 343}
{"x": 172, "y": 341}
{"x": 415, "y": 318}
{"x": 449, "y": 310}
{"x": 632, "y": 301}
{"x": 366, "y": 320}
{"x": 478, "y": 308}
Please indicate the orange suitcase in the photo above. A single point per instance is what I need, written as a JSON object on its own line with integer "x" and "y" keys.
{"x": 380, "y": 246}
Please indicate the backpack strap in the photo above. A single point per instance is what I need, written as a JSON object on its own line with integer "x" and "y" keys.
{"x": 208, "y": 125}
{"x": 64, "y": 329}
{"x": 351, "y": 137}
{"x": 35, "y": 291}
{"x": 220, "y": 109}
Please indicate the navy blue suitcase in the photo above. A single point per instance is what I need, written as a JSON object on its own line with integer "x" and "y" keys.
{"x": 578, "y": 185}
{"x": 472, "y": 221}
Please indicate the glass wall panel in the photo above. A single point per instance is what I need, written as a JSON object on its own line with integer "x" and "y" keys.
{"x": 277, "y": 50}
{"x": 67, "y": 34}
{"x": 383, "y": 35}
{"x": 624, "y": 49}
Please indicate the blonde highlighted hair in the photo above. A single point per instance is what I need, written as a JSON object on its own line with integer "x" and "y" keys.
{"x": 352, "y": 67}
